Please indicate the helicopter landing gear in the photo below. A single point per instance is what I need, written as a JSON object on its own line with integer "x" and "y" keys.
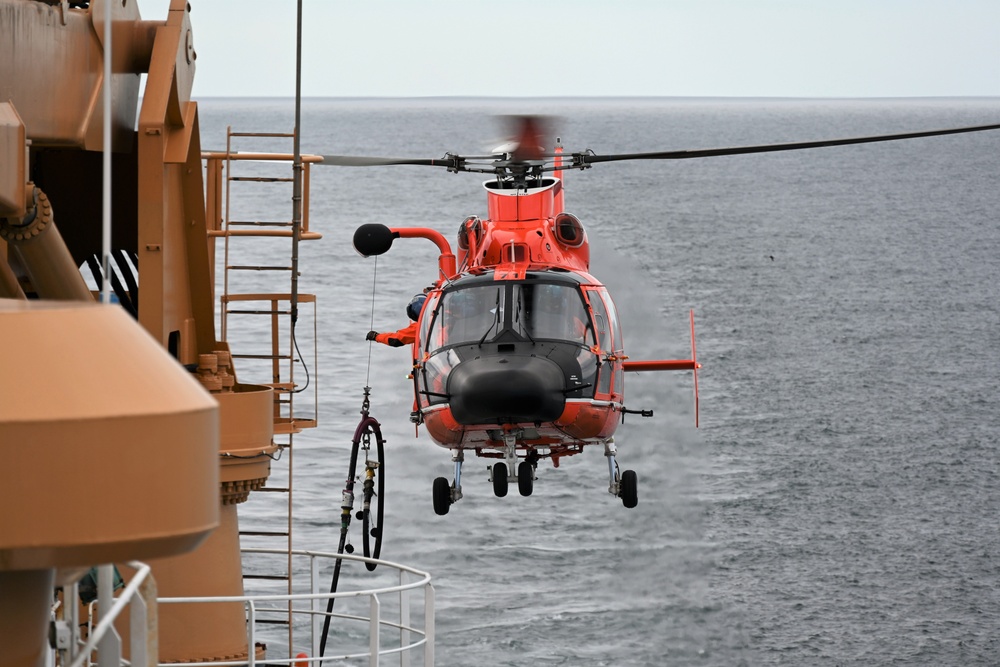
{"x": 525, "y": 478}
{"x": 446, "y": 495}
{"x": 628, "y": 489}
{"x": 442, "y": 496}
{"x": 499, "y": 478}
{"x": 624, "y": 485}
{"x": 500, "y": 473}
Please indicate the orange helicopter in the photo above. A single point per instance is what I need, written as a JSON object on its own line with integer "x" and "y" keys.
{"x": 517, "y": 348}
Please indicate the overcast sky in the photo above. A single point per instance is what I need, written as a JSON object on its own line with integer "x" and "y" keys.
{"x": 522, "y": 48}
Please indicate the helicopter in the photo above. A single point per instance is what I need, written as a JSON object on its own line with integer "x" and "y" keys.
{"x": 517, "y": 349}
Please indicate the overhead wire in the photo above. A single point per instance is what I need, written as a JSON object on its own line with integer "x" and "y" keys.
{"x": 371, "y": 325}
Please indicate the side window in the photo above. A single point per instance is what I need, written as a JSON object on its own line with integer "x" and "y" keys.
{"x": 432, "y": 380}
{"x": 616, "y": 332}
{"x": 603, "y": 326}
{"x": 616, "y": 329}
{"x": 428, "y": 316}
{"x": 601, "y": 322}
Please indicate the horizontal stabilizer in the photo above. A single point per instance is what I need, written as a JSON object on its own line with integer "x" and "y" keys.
{"x": 673, "y": 365}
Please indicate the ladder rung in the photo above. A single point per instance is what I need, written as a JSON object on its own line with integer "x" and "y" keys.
{"x": 260, "y": 312}
{"x": 264, "y": 233}
{"x": 264, "y": 533}
{"x": 267, "y": 577}
{"x": 274, "y": 489}
{"x": 271, "y": 621}
{"x": 281, "y": 387}
{"x": 261, "y": 179}
{"x": 258, "y": 223}
{"x": 303, "y": 298}
{"x": 260, "y": 356}
{"x": 262, "y": 134}
{"x": 286, "y": 426}
{"x": 259, "y": 268}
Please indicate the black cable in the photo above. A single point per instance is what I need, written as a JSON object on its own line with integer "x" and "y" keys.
{"x": 367, "y": 423}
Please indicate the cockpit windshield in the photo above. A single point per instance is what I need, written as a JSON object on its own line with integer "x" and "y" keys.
{"x": 530, "y": 310}
{"x": 468, "y": 315}
{"x": 548, "y": 310}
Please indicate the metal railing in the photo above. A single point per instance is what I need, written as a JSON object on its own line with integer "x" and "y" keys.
{"x": 308, "y": 611}
{"x": 139, "y": 595}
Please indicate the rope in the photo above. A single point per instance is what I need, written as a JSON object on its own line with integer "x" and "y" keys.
{"x": 362, "y": 440}
{"x": 371, "y": 325}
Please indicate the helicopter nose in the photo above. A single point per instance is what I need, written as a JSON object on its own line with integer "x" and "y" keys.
{"x": 506, "y": 388}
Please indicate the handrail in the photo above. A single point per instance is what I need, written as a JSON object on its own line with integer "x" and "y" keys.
{"x": 255, "y": 605}
{"x": 256, "y": 157}
{"x": 142, "y": 587}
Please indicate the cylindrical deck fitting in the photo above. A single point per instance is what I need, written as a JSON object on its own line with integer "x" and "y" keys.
{"x": 42, "y": 252}
{"x": 9, "y": 287}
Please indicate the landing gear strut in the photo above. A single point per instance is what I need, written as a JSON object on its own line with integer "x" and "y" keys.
{"x": 501, "y": 472}
{"x": 624, "y": 485}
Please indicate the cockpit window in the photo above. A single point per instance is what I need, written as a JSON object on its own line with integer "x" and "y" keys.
{"x": 530, "y": 310}
{"x": 550, "y": 311}
{"x": 468, "y": 315}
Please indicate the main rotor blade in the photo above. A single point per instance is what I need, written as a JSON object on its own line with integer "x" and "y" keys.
{"x": 358, "y": 161}
{"x": 581, "y": 159}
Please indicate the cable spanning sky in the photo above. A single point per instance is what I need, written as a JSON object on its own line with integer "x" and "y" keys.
{"x": 531, "y": 48}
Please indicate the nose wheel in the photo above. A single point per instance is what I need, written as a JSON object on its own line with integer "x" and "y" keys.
{"x": 525, "y": 478}
{"x": 500, "y": 473}
{"x": 501, "y": 478}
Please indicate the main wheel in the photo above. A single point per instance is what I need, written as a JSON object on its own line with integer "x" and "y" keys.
{"x": 525, "y": 478}
{"x": 628, "y": 489}
{"x": 442, "y": 496}
{"x": 500, "y": 479}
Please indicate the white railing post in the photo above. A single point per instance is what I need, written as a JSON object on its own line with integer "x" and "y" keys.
{"x": 404, "y": 620}
{"x": 145, "y": 653}
{"x": 138, "y": 654}
{"x": 251, "y": 633}
{"x": 428, "y": 625}
{"x": 375, "y": 625}
{"x": 315, "y": 604}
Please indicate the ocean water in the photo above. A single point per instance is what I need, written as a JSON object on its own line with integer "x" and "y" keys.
{"x": 838, "y": 504}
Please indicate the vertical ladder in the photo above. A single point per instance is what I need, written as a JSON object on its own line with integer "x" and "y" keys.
{"x": 243, "y": 188}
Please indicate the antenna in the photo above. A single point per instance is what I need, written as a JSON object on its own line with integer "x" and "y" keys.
{"x": 106, "y": 162}
{"x": 297, "y": 170}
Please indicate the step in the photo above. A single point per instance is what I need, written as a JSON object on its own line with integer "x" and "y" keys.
{"x": 264, "y": 233}
{"x": 267, "y": 577}
{"x": 262, "y": 179}
{"x": 259, "y": 312}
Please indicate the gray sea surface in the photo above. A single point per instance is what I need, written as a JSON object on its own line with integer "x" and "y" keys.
{"x": 838, "y": 504}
